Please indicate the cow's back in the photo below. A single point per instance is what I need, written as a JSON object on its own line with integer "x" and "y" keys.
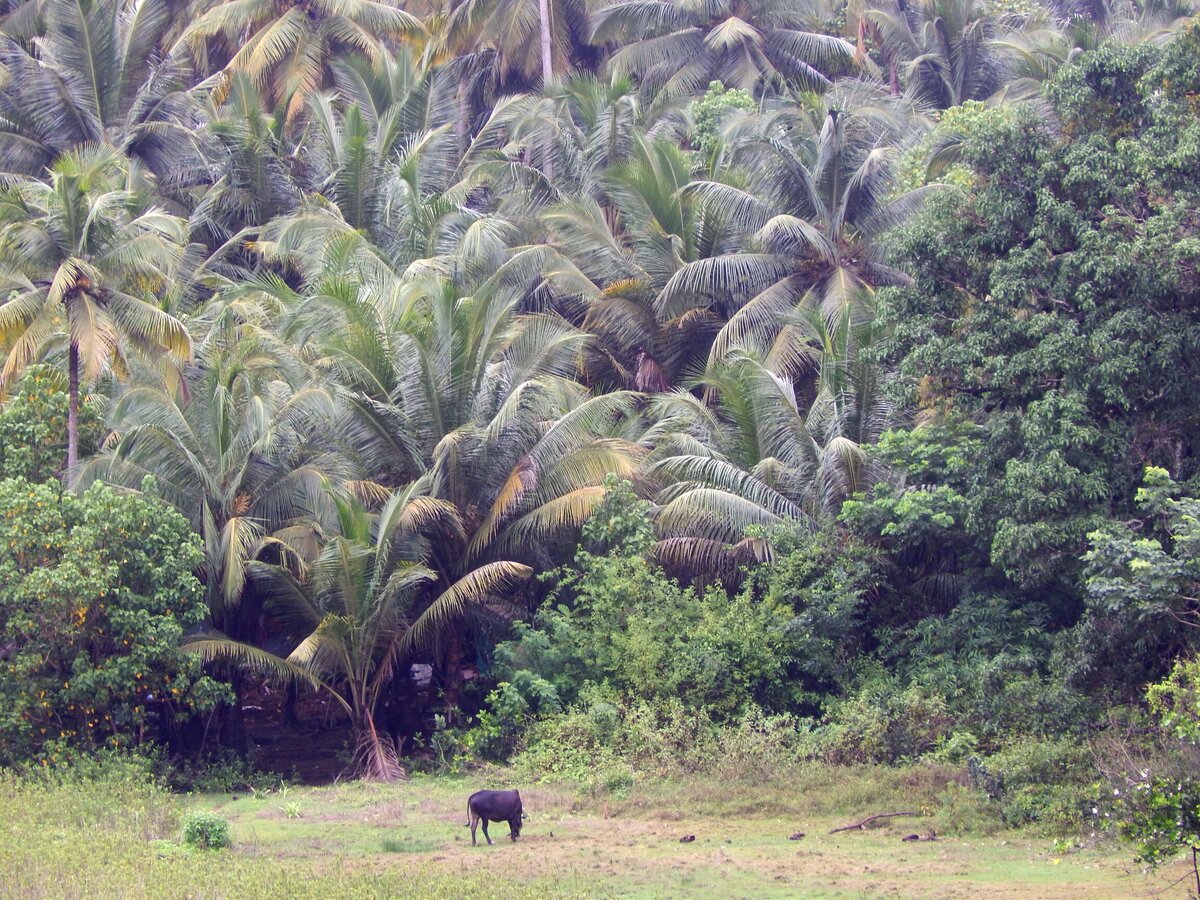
{"x": 496, "y": 804}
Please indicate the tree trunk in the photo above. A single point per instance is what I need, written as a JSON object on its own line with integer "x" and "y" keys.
{"x": 72, "y": 413}
{"x": 547, "y": 60}
{"x": 461, "y": 127}
{"x": 452, "y": 676}
{"x": 290, "y": 718}
{"x": 233, "y": 735}
{"x": 375, "y": 757}
{"x": 547, "y": 80}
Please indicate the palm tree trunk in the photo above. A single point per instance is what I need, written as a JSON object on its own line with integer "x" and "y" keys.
{"x": 547, "y": 62}
{"x": 375, "y": 754}
{"x": 72, "y": 413}
{"x": 460, "y": 120}
{"x": 547, "y": 77}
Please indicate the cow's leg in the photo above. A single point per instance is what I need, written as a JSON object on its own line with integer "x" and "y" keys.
{"x": 512, "y": 831}
{"x": 485, "y": 834}
{"x": 474, "y": 823}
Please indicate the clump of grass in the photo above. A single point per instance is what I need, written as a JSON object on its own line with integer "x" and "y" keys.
{"x": 407, "y": 845}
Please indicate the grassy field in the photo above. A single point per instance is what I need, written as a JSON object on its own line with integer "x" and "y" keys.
{"x": 368, "y": 840}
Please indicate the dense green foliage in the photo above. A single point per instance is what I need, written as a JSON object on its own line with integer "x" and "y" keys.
{"x": 33, "y": 427}
{"x": 98, "y": 592}
{"x": 616, "y": 386}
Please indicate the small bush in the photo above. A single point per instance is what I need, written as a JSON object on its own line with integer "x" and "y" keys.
{"x": 761, "y": 746}
{"x": 205, "y": 830}
{"x": 887, "y": 722}
{"x": 1049, "y": 782}
{"x": 963, "y": 810}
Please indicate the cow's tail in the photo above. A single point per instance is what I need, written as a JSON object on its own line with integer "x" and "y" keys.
{"x": 468, "y": 822}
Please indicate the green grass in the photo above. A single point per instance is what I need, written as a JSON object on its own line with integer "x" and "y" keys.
{"x": 121, "y": 838}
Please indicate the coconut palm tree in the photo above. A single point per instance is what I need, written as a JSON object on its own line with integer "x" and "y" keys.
{"x": 240, "y": 447}
{"x": 96, "y": 75}
{"x": 943, "y": 49}
{"x": 749, "y": 448}
{"x": 462, "y": 392}
{"x": 678, "y": 48}
{"x": 287, "y": 48}
{"x": 533, "y": 40}
{"x": 811, "y": 213}
{"x": 383, "y": 159}
{"x": 356, "y": 616}
{"x": 621, "y": 247}
{"x": 84, "y": 258}
{"x": 253, "y": 172}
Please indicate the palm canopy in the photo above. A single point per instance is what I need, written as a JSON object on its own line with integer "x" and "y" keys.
{"x": 621, "y": 247}
{"x": 450, "y": 384}
{"x": 944, "y": 49}
{"x": 816, "y": 199}
{"x": 83, "y": 257}
{"x": 287, "y": 48}
{"x": 676, "y": 47}
{"x": 95, "y": 75}
{"x": 465, "y": 386}
{"x": 752, "y": 450}
{"x": 513, "y": 30}
{"x": 240, "y": 448}
{"x": 254, "y": 176}
{"x": 382, "y": 158}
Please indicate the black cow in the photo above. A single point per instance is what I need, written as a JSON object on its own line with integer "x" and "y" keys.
{"x": 496, "y": 806}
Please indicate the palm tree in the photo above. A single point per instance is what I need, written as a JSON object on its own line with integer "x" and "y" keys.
{"x": 752, "y": 450}
{"x": 254, "y": 175}
{"x": 96, "y": 75}
{"x": 287, "y": 47}
{"x": 943, "y": 48}
{"x": 83, "y": 257}
{"x": 620, "y": 248}
{"x": 810, "y": 215}
{"x": 382, "y": 158}
{"x": 354, "y": 619}
{"x": 532, "y": 39}
{"x": 460, "y": 393}
{"x": 1033, "y": 48}
{"x": 238, "y": 446}
{"x": 678, "y": 48}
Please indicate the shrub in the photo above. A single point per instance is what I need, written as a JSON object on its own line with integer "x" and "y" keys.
{"x": 617, "y": 620}
{"x": 33, "y": 426}
{"x": 963, "y": 810}
{"x": 96, "y": 592}
{"x": 887, "y": 722}
{"x": 710, "y": 112}
{"x": 205, "y": 830}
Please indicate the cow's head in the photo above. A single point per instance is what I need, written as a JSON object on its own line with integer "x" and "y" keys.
{"x": 516, "y": 825}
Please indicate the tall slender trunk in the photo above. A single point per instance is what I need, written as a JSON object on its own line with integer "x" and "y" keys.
{"x": 547, "y": 61}
{"x": 460, "y": 120}
{"x": 233, "y": 734}
{"x": 547, "y": 77}
{"x": 72, "y": 413}
{"x": 452, "y": 677}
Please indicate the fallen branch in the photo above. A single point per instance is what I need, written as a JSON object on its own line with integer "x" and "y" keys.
{"x": 862, "y": 826}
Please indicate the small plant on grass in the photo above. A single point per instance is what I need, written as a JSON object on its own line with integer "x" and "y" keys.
{"x": 291, "y": 809}
{"x": 205, "y": 830}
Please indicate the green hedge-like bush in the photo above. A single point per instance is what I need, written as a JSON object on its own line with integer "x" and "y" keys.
{"x": 205, "y": 830}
